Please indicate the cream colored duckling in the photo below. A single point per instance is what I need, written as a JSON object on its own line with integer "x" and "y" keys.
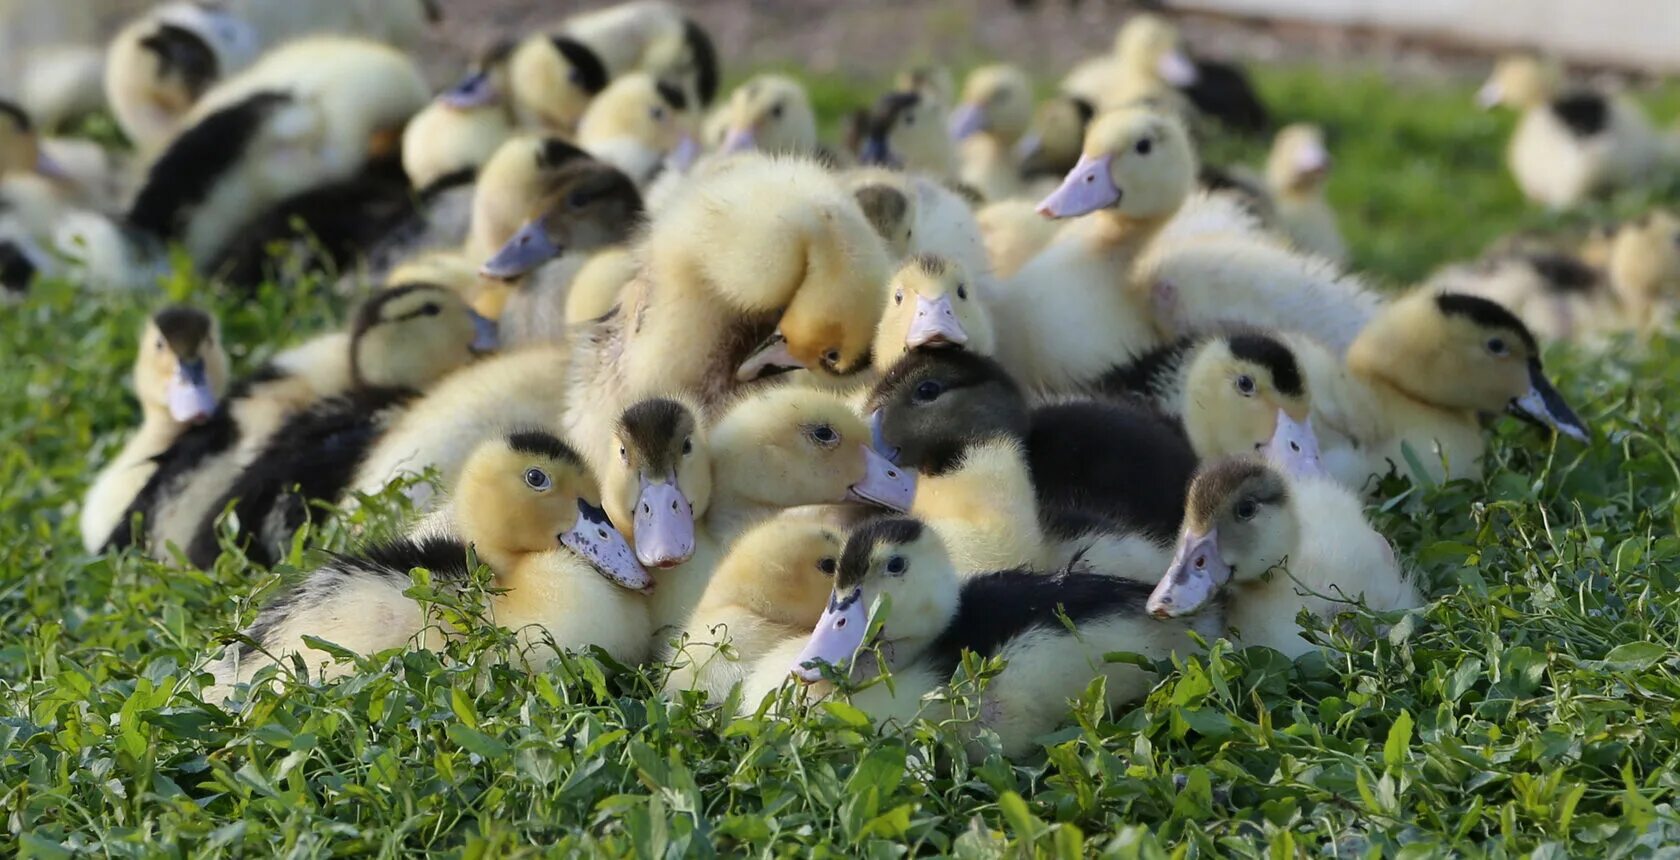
{"x": 768, "y": 590}
{"x": 1644, "y": 270}
{"x": 988, "y": 123}
{"x": 642, "y": 126}
{"x": 770, "y": 113}
{"x": 1570, "y": 143}
{"x": 1295, "y": 173}
{"x": 180, "y": 373}
{"x": 162, "y": 62}
{"x": 464, "y": 125}
{"x": 767, "y": 251}
{"x": 1265, "y": 539}
{"x": 933, "y": 303}
{"x": 524, "y": 170}
{"x": 929, "y": 620}
{"x": 905, "y": 130}
{"x": 525, "y": 504}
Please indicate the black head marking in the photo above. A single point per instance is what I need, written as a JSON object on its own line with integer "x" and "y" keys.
{"x": 1486, "y": 313}
{"x": 672, "y": 95}
{"x": 1585, "y": 113}
{"x": 553, "y": 152}
{"x": 932, "y": 265}
{"x": 591, "y": 72}
{"x": 862, "y": 543}
{"x": 192, "y": 165}
{"x": 540, "y": 443}
{"x": 184, "y": 54}
{"x": 705, "y": 57}
{"x": 889, "y": 108}
{"x": 1086, "y": 110}
{"x": 369, "y": 316}
{"x": 183, "y": 328}
{"x": 655, "y": 429}
{"x": 1564, "y": 273}
{"x": 1274, "y": 356}
{"x": 18, "y": 116}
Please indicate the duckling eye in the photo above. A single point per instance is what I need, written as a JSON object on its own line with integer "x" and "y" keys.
{"x": 909, "y": 119}
{"x": 160, "y": 345}
{"x": 1246, "y": 509}
{"x": 688, "y": 446}
{"x": 1245, "y": 385}
{"x": 1496, "y": 345}
{"x": 430, "y": 309}
{"x": 962, "y": 292}
{"x": 896, "y": 565}
{"x": 623, "y": 455}
{"x": 776, "y": 111}
{"x": 1144, "y": 146}
{"x": 577, "y": 200}
{"x": 827, "y": 566}
{"x": 824, "y": 435}
{"x": 657, "y": 113}
{"x": 898, "y": 298}
{"x": 831, "y": 358}
{"x": 537, "y": 480}
{"x": 929, "y": 391}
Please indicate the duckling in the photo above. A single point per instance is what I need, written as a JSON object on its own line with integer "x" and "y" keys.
{"x": 180, "y": 373}
{"x": 526, "y": 506}
{"x": 1135, "y": 174}
{"x": 1009, "y": 485}
{"x": 988, "y": 124}
{"x": 771, "y": 113}
{"x": 598, "y": 283}
{"x": 1247, "y": 517}
{"x": 161, "y": 63}
{"x": 905, "y": 131}
{"x": 930, "y": 619}
{"x": 77, "y": 171}
{"x": 933, "y": 81}
{"x": 464, "y": 125}
{"x": 933, "y": 304}
{"x": 772, "y": 252}
{"x": 1149, "y": 61}
{"x": 1013, "y": 233}
{"x": 293, "y": 131}
{"x": 1557, "y": 295}
{"x": 402, "y": 341}
{"x": 917, "y": 215}
{"x": 1295, "y": 174}
{"x": 1644, "y": 269}
{"x": 593, "y": 206}
{"x": 1054, "y": 141}
{"x": 523, "y": 171}
{"x": 642, "y": 126}
{"x": 1570, "y": 143}
{"x": 769, "y": 589}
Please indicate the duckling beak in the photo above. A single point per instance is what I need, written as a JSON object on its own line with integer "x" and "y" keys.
{"x": 473, "y": 91}
{"x": 968, "y": 119}
{"x": 1312, "y": 160}
{"x": 878, "y": 438}
{"x": 529, "y": 248}
{"x": 1177, "y": 69}
{"x": 1294, "y": 446}
{"x": 594, "y": 538}
{"x": 664, "y": 525}
{"x": 837, "y": 636}
{"x": 188, "y": 393}
{"x": 1544, "y": 404}
{"x": 770, "y": 358}
{"x": 935, "y": 324}
{"x": 487, "y": 335}
{"x": 1028, "y": 146}
{"x": 883, "y": 483}
{"x": 47, "y": 166}
{"x": 1087, "y": 188}
{"x": 1490, "y": 95}
{"x": 1196, "y": 574}
{"x": 682, "y": 156}
{"x": 739, "y": 140}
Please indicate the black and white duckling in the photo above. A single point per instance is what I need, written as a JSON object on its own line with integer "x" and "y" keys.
{"x": 162, "y": 62}
{"x": 1031, "y": 486}
{"x": 930, "y": 619}
{"x": 918, "y": 215}
{"x": 594, "y": 206}
{"x": 760, "y": 267}
{"x": 403, "y": 340}
{"x": 768, "y": 590}
{"x": 1571, "y": 143}
{"x": 905, "y": 130}
{"x": 684, "y": 493}
{"x": 528, "y": 508}
{"x": 991, "y": 117}
{"x": 464, "y": 125}
{"x": 1296, "y": 170}
{"x": 1265, "y": 538}
{"x": 770, "y": 113}
{"x": 641, "y": 125}
{"x": 1149, "y": 62}
{"x": 311, "y": 132}
{"x": 932, "y": 303}
{"x": 180, "y": 373}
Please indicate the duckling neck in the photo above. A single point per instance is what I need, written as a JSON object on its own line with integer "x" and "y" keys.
{"x": 1120, "y": 234}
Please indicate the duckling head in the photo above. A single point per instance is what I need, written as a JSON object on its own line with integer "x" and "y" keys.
{"x": 554, "y": 78}
{"x": 1519, "y": 80}
{"x": 409, "y": 336}
{"x": 902, "y": 131}
{"x": 899, "y": 561}
{"x": 1238, "y": 524}
{"x": 528, "y": 492}
{"x": 996, "y": 100}
{"x": 486, "y": 86}
{"x": 593, "y": 205}
{"x": 770, "y": 113}
{"x": 1299, "y": 160}
{"x": 1137, "y": 162}
{"x": 512, "y": 184}
{"x": 660, "y": 481}
{"x": 1461, "y": 352}
{"x": 931, "y": 305}
{"x": 655, "y": 115}
{"x": 192, "y": 47}
{"x": 790, "y": 446}
{"x": 20, "y": 146}
{"x": 935, "y": 83}
{"x": 1053, "y": 142}
{"x": 783, "y": 568}
{"x": 932, "y": 406}
{"x": 1150, "y": 48}
{"x": 1645, "y": 261}
{"x": 1234, "y": 390}
{"x": 182, "y": 369}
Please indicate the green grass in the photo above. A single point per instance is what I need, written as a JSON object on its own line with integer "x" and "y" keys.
{"x": 1531, "y": 708}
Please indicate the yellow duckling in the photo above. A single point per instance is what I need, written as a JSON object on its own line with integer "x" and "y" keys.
{"x": 771, "y": 113}
{"x": 463, "y": 127}
{"x": 905, "y": 130}
{"x": 933, "y": 303}
{"x": 1296, "y": 170}
{"x": 988, "y": 123}
{"x": 642, "y": 126}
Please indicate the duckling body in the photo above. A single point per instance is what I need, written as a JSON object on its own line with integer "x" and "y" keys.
{"x": 1295, "y": 174}
{"x": 1013, "y": 233}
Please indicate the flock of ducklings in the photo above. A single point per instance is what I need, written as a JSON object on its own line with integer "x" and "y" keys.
{"x": 1023, "y": 381}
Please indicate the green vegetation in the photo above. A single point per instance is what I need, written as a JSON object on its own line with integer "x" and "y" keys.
{"x": 1532, "y": 707}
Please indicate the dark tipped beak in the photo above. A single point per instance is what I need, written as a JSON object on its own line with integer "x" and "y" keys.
{"x": 1543, "y": 404}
